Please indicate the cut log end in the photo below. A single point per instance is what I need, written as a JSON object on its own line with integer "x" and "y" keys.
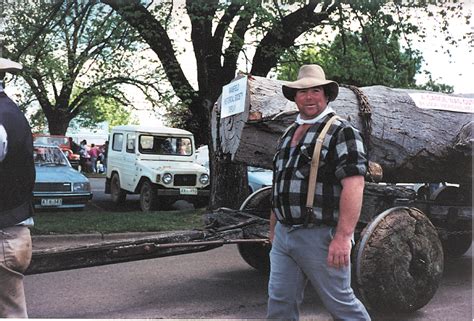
{"x": 398, "y": 261}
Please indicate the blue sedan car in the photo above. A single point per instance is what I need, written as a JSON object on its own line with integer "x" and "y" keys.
{"x": 57, "y": 184}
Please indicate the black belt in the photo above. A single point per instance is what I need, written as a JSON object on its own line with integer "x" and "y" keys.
{"x": 311, "y": 223}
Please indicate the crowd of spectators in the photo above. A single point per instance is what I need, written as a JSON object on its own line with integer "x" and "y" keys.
{"x": 92, "y": 157}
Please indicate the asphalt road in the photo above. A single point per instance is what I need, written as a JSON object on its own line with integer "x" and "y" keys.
{"x": 215, "y": 284}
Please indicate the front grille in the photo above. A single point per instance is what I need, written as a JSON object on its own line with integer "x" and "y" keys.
{"x": 52, "y": 187}
{"x": 184, "y": 180}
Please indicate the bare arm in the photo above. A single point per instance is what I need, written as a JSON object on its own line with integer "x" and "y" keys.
{"x": 350, "y": 205}
{"x": 273, "y": 221}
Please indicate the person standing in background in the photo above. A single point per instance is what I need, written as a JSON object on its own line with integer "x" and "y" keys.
{"x": 94, "y": 154}
{"x": 84, "y": 156}
{"x": 17, "y": 179}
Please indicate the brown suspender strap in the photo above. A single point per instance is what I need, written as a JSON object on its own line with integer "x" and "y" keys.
{"x": 315, "y": 163}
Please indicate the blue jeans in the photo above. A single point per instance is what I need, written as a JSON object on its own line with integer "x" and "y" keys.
{"x": 298, "y": 255}
{"x": 15, "y": 257}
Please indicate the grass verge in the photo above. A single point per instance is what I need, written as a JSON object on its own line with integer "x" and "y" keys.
{"x": 47, "y": 223}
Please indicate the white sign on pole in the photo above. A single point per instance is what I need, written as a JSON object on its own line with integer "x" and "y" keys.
{"x": 443, "y": 102}
{"x": 233, "y": 97}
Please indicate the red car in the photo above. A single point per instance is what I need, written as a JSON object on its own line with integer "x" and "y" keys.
{"x": 64, "y": 143}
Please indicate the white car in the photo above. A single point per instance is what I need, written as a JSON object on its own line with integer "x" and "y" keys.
{"x": 157, "y": 163}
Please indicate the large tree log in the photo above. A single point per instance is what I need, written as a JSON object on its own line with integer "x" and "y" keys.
{"x": 411, "y": 144}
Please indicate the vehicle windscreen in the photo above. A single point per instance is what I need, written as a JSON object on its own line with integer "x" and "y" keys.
{"x": 58, "y": 141}
{"x": 162, "y": 145}
{"x": 49, "y": 156}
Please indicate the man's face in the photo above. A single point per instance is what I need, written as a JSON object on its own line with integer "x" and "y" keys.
{"x": 310, "y": 101}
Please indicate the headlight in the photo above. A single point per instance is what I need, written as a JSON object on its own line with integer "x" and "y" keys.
{"x": 204, "y": 179}
{"x": 81, "y": 187}
{"x": 167, "y": 178}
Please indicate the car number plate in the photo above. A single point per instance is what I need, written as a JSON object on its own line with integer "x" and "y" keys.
{"x": 188, "y": 191}
{"x": 51, "y": 201}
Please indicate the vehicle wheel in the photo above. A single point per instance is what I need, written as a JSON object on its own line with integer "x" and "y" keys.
{"x": 456, "y": 245}
{"x": 257, "y": 255}
{"x": 201, "y": 202}
{"x": 118, "y": 194}
{"x": 398, "y": 261}
{"x": 148, "y": 197}
{"x": 456, "y": 235}
{"x": 165, "y": 203}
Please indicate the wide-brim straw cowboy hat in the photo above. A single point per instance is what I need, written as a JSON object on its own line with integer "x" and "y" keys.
{"x": 310, "y": 76}
{"x": 7, "y": 65}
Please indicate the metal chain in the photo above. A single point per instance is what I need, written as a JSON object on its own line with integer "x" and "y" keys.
{"x": 365, "y": 113}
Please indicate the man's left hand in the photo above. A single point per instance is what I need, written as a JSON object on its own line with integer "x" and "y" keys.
{"x": 339, "y": 252}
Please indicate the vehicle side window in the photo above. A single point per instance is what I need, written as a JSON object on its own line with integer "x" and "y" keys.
{"x": 184, "y": 147}
{"x": 117, "y": 142}
{"x": 130, "y": 143}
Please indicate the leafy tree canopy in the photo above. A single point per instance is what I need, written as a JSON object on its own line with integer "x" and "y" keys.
{"x": 76, "y": 56}
{"x": 361, "y": 59}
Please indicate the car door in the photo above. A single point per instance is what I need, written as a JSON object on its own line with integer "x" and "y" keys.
{"x": 130, "y": 170}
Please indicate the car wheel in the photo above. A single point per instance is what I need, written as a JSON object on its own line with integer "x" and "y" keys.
{"x": 148, "y": 197}
{"x": 118, "y": 194}
{"x": 457, "y": 236}
{"x": 201, "y": 202}
{"x": 257, "y": 255}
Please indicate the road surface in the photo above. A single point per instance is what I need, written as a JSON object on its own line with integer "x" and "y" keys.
{"x": 215, "y": 284}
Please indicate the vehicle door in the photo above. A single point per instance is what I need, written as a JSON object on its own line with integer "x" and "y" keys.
{"x": 130, "y": 170}
{"x": 115, "y": 157}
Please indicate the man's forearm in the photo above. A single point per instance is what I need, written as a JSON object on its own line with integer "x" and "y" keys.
{"x": 273, "y": 222}
{"x": 350, "y": 205}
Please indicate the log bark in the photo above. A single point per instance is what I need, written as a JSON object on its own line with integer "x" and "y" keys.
{"x": 411, "y": 144}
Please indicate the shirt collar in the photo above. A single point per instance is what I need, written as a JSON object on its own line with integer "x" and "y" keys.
{"x": 314, "y": 120}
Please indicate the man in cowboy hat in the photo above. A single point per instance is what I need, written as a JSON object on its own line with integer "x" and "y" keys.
{"x": 313, "y": 221}
{"x": 17, "y": 178}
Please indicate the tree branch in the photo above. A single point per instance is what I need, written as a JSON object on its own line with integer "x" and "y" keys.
{"x": 155, "y": 35}
{"x": 283, "y": 34}
{"x": 201, "y": 14}
{"x": 237, "y": 41}
{"x": 224, "y": 23}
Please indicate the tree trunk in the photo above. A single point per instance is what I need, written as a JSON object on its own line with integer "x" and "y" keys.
{"x": 58, "y": 122}
{"x": 411, "y": 144}
{"x": 229, "y": 186}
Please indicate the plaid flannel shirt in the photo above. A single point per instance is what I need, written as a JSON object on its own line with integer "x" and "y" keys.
{"x": 342, "y": 155}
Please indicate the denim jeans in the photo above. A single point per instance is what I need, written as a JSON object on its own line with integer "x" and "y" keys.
{"x": 299, "y": 254}
{"x": 15, "y": 257}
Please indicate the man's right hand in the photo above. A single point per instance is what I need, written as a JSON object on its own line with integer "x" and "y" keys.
{"x": 273, "y": 221}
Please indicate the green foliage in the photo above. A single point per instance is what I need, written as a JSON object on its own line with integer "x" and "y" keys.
{"x": 76, "y": 56}
{"x": 103, "y": 109}
{"x": 369, "y": 56}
